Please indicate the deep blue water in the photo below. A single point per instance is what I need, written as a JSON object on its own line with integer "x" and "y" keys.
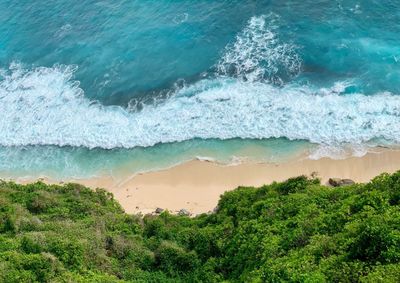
{"x": 102, "y": 77}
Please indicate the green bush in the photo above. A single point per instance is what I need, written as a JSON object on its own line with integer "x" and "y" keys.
{"x": 174, "y": 260}
{"x": 294, "y": 231}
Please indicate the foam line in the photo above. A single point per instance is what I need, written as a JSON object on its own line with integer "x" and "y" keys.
{"x": 46, "y": 107}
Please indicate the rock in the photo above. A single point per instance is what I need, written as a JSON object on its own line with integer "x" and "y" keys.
{"x": 347, "y": 182}
{"x": 183, "y": 212}
{"x": 159, "y": 210}
{"x": 337, "y": 182}
{"x": 215, "y": 210}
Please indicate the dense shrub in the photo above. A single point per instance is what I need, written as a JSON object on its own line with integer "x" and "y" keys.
{"x": 294, "y": 231}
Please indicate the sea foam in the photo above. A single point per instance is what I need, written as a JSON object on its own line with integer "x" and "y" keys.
{"x": 45, "y": 106}
{"x": 258, "y": 54}
{"x": 251, "y": 96}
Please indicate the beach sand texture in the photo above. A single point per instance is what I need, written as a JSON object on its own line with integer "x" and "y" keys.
{"x": 197, "y": 185}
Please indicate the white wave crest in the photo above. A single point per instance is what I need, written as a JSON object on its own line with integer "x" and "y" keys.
{"x": 45, "y": 106}
{"x": 340, "y": 151}
{"x": 259, "y": 55}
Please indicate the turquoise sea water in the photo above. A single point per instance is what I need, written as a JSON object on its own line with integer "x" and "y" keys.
{"x": 93, "y": 87}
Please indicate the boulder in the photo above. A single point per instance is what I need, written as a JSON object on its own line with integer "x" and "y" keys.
{"x": 347, "y": 182}
{"x": 159, "y": 210}
{"x": 183, "y": 212}
{"x": 337, "y": 182}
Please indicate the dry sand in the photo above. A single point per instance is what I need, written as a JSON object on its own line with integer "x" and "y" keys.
{"x": 197, "y": 185}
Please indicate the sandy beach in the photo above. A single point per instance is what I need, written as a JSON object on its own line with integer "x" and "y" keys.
{"x": 197, "y": 185}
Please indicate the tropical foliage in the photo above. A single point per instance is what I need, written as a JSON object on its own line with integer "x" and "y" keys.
{"x": 295, "y": 231}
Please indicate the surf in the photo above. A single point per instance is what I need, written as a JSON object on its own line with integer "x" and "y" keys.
{"x": 252, "y": 94}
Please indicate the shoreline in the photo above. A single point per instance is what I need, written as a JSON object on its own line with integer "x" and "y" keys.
{"x": 197, "y": 185}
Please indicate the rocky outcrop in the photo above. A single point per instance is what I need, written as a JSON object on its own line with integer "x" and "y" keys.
{"x": 158, "y": 210}
{"x": 183, "y": 212}
{"x": 337, "y": 182}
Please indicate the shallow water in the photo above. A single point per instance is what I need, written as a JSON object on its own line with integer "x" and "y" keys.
{"x": 79, "y": 162}
{"x": 91, "y": 87}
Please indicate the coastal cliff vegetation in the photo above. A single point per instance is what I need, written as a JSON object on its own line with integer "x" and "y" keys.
{"x": 294, "y": 231}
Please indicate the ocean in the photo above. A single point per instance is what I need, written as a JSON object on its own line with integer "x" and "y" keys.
{"x": 89, "y": 88}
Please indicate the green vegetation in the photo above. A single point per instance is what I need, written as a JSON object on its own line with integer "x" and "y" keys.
{"x": 295, "y": 231}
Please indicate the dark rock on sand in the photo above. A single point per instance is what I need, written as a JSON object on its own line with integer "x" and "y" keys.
{"x": 184, "y": 212}
{"x": 159, "y": 210}
{"x": 337, "y": 182}
{"x": 347, "y": 182}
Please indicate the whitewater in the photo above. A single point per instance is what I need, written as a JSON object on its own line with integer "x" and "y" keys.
{"x": 249, "y": 93}
{"x": 95, "y": 88}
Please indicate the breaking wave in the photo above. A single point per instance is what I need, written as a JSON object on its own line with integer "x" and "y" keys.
{"x": 258, "y": 54}
{"x": 251, "y": 97}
